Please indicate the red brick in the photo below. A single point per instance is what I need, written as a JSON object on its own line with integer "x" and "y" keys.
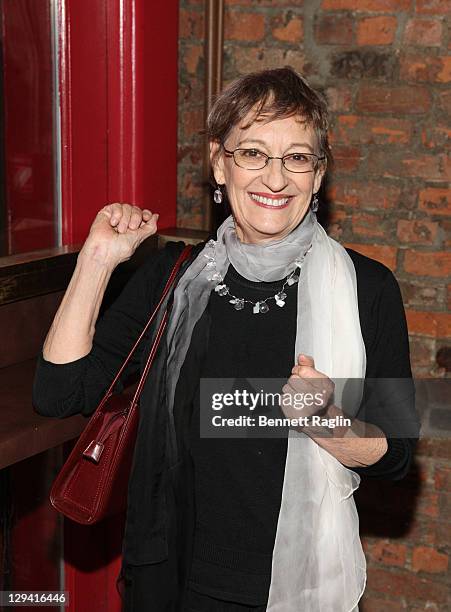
{"x": 428, "y": 505}
{"x": 434, "y": 448}
{"x": 435, "y": 200}
{"x": 425, "y": 559}
{"x": 339, "y": 99}
{"x": 247, "y": 59}
{"x": 376, "y": 30}
{"x": 418, "y": 231}
{"x": 434, "y": 324}
{"x": 443, "y": 534}
{"x": 374, "y": 604}
{"x": 191, "y": 24}
{"x": 380, "y": 252}
{"x": 268, "y": 3}
{"x": 192, "y": 121}
{"x": 430, "y": 69}
{"x": 389, "y": 131}
{"x": 429, "y": 167}
{"x": 191, "y": 57}
{"x": 445, "y": 505}
{"x": 190, "y": 220}
{"x": 436, "y": 136}
{"x": 406, "y": 585}
{"x": 442, "y": 478}
{"x": 192, "y": 154}
{"x": 433, "y": 7}
{"x": 430, "y": 607}
{"x": 288, "y": 28}
{"x": 190, "y": 185}
{"x": 402, "y": 99}
{"x": 423, "y": 263}
{"x": 368, "y": 224}
{"x": 421, "y": 531}
{"x": 369, "y": 130}
{"x": 423, "y": 32}
{"x": 347, "y": 159}
{"x": 445, "y": 225}
{"x": 244, "y": 26}
{"x": 191, "y": 92}
{"x": 336, "y": 223}
{"x": 367, "y": 5}
{"x": 388, "y": 553}
{"x": 444, "y": 98}
{"x": 334, "y": 30}
{"x": 422, "y": 352}
{"x": 362, "y": 63}
{"x": 417, "y": 294}
{"x": 367, "y": 194}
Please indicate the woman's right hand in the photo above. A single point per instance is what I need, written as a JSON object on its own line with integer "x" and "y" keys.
{"x": 117, "y": 231}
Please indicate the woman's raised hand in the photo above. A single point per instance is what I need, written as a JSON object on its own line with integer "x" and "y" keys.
{"x": 118, "y": 230}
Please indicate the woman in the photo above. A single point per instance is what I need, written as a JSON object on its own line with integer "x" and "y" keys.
{"x": 260, "y": 523}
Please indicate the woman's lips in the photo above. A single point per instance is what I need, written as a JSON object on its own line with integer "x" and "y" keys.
{"x": 275, "y": 202}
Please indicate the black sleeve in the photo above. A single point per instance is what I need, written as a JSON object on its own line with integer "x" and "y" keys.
{"x": 392, "y": 407}
{"x": 61, "y": 390}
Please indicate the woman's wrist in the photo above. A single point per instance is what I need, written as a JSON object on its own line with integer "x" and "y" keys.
{"x": 97, "y": 254}
{"x": 359, "y": 444}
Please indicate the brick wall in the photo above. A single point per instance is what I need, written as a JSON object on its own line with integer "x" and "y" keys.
{"x": 385, "y": 68}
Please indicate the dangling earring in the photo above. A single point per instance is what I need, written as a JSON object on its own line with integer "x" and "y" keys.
{"x": 315, "y": 203}
{"x": 217, "y": 196}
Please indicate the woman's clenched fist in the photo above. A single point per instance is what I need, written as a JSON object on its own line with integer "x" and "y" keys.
{"x": 118, "y": 230}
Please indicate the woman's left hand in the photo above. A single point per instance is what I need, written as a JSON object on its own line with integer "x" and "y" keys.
{"x": 307, "y": 391}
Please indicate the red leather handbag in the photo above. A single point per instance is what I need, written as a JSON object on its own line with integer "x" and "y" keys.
{"x": 93, "y": 482}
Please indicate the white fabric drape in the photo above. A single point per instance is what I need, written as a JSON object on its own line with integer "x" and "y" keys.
{"x": 318, "y": 563}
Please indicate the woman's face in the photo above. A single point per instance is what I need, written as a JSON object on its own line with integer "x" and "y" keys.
{"x": 286, "y": 194}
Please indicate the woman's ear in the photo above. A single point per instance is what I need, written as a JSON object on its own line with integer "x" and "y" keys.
{"x": 319, "y": 174}
{"x": 217, "y": 162}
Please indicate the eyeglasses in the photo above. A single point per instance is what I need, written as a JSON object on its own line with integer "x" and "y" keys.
{"x": 253, "y": 159}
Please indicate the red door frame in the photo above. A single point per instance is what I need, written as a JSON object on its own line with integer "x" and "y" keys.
{"x": 118, "y": 105}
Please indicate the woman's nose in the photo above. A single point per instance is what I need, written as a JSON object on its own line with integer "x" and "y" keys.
{"x": 274, "y": 175}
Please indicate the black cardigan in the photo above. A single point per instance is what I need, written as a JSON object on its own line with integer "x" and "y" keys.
{"x": 158, "y": 534}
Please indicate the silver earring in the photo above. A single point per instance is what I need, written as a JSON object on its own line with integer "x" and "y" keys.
{"x": 217, "y": 196}
{"x": 315, "y": 203}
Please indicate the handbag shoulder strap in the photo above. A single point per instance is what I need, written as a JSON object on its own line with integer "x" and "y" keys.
{"x": 184, "y": 255}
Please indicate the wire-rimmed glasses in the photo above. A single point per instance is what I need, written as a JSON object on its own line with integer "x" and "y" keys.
{"x": 253, "y": 159}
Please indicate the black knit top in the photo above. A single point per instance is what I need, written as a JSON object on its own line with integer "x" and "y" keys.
{"x": 238, "y": 482}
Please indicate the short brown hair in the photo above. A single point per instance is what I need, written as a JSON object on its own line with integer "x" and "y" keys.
{"x": 277, "y": 93}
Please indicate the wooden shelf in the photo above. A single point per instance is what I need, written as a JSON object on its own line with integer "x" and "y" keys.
{"x": 23, "y": 432}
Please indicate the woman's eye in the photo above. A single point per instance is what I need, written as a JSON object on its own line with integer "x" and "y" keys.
{"x": 251, "y": 153}
{"x": 299, "y": 157}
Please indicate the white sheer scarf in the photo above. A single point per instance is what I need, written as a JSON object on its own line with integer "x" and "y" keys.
{"x": 318, "y": 564}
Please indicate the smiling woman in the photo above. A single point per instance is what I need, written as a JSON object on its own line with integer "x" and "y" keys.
{"x": 269, "y": 197}
{"x": 252, "y": 523}
{"x": 270, "y": 152}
